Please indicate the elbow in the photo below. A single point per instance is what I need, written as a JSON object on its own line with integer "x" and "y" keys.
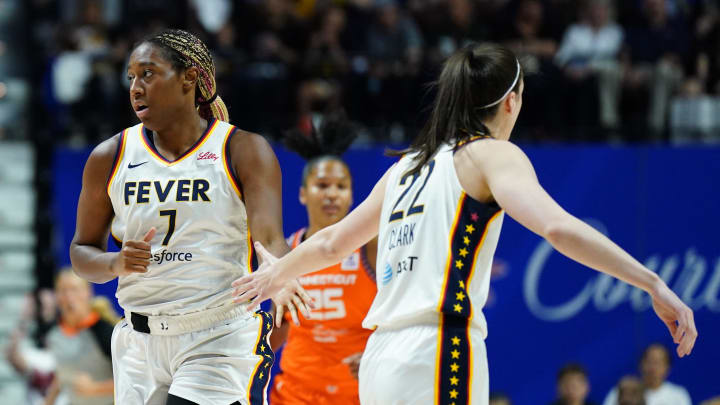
{"x": 329, "y": 246}
{"x": 557, "y": 233}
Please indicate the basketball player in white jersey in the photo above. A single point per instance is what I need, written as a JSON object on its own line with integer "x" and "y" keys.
{"x": 181, "y": 192}
{"x": 438, "y": 212}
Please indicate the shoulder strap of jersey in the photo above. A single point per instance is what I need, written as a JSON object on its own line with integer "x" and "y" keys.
{"x": 295, "y": 239}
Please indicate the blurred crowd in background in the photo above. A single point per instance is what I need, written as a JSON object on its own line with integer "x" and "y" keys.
{"x": 597, "y": 70}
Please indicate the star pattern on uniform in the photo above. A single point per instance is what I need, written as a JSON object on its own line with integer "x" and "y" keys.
{"x": 453, "y": 394}
{"x": 469, "y": 229}
{"x": 459, "y": 296}
{"x": 267, "y": 365}
{"x": 455, "y": 341}
{"x": 458, "y": 308}
{"x": 463, "y": 252}
{"x": 261, "y": 375}
{"x": 462, "y": 284}
{"x": 455, "y": 354}
{"x": 262, "y": 348}
{"x": 459, "y": 264}
{"x": 454, "y": 380}
{"x": 454, "y": 367}
{"x": 466, "y": 240}
{"x": 474, "y": 216}
{"x": 269, "y": 325}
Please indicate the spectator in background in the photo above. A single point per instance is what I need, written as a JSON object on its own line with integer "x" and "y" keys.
{"x": 529, "y": 36}
{"x": 81, "y": 345}
{"x": 325, "y": 56}
{"x": 457, "y": 26}
{"x": 588, "y": 54}
{"x": 707, "y": 31}
{"x": 27, "y": 350}
{"x": 395, "y": 50}
{"x": 654, "y": 60}
{"x": 631, "y": 391}
{"x": 325, "y": 68}
{"x": 572, "y": 386}
{"x": 654, "y": 369}
{"x": 275, "y": 38}
{"x": 498, "y": 398}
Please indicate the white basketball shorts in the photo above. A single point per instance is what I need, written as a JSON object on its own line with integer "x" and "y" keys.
{"x": 443, "y": 364}
{"x": 219, "y": 365}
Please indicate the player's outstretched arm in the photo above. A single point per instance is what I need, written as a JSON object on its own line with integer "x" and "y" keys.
{"x": 511, "y": 179}
{"x": 259, "y": 173}
{"x": 88, "y": 250}
{"x": 325, "y": 248}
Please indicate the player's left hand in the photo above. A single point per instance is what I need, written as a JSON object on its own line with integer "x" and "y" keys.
{"x": 292, "y": 297}
{"x": 353, "y": 361}
{"x": 267, "y": 283}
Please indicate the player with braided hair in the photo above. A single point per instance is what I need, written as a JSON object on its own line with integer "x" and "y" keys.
{"x": 180, "y": 193}
{"x": 321, "y": 358}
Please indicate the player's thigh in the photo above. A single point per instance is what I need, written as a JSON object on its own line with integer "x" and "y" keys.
{"x": 224, "y": 364}
{"x": 401, "y": 367}
{"x": 398, "y": 367}
{"x": 139, "y": 375}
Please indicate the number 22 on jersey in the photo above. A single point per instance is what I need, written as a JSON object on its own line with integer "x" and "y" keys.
{"x": 414, "y": 207}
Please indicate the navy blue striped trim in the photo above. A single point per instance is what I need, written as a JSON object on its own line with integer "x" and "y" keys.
{"x": 151, "y": 142}
{"x": 472, "y": 223}
{"x": 117, "y": 241}
{"x": 369, "y": 267}
{"x": 257, "y": 389}
{"x": 453, "y": 385}
{"x": 115, "y": 158}
{"x": 230, "y": 167}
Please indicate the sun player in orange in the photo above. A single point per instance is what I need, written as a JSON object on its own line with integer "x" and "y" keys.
{"x": 322, "y": 354}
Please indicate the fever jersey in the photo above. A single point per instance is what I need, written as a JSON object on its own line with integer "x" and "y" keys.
{"x": 435, "y": 247}
{"x": 315, "y": 350}
{"x": 202, "y": 242}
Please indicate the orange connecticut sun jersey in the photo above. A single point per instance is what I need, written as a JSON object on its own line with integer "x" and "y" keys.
{"x": 315, "y": 350}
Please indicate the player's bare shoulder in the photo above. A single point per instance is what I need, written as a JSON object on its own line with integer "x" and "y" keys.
{"x": 250, "y": 152}
{"x": 101, "y": 159}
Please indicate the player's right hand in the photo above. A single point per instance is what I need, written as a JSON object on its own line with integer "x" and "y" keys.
{"x": 134, "y": 257}
{"x": 678, "y": 318}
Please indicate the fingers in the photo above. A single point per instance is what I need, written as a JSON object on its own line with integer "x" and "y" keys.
{"x": 257, "y": 300}
{"x": 280, "y": 311}
{"x": 672, "y": 328}
{"x": 689, "y": 333}
{"x": 293, "y": 313}
{"x": 307, "y": 301}
{"x": 149, "y": 235}
{"x": 301, "y": 306}
{"x": 264, "y": 254}
{"x": 139, "y": 245}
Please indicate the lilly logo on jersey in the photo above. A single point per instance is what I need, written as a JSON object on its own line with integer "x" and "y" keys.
{"x": 207, "y": 156}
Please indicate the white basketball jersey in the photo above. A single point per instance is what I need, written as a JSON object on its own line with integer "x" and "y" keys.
{"x": 202, "y": 242}
{"x": 435, "y": 247}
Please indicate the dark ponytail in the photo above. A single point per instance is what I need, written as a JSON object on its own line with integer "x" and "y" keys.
{"x": 328, "y": 142}
{"x": 473, "y": 82}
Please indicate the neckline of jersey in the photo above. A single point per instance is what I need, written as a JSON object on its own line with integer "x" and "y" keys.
{"x": 150, "y": 143}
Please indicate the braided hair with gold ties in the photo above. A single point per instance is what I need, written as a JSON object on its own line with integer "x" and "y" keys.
{"x": 184, "y": 50}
